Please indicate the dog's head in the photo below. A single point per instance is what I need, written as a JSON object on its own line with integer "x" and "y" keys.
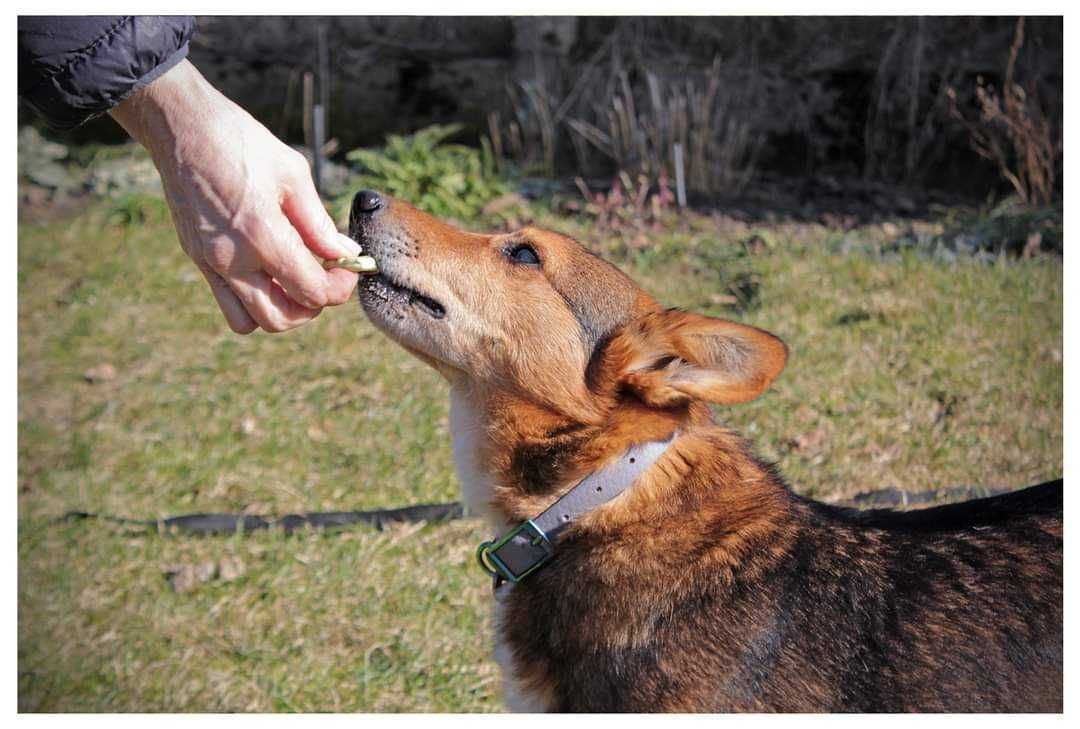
{"x": 544, "y": 337}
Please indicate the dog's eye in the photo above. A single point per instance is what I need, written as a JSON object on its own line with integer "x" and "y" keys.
{"x": 524, "y": 254}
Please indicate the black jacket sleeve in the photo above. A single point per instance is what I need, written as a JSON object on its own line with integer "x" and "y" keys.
{"x": 74, "y": 68}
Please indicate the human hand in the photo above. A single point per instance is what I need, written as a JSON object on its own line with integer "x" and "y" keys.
{"x": 243, "y": 203}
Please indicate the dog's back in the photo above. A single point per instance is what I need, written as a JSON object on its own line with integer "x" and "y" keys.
{"x": 955, "y": 608}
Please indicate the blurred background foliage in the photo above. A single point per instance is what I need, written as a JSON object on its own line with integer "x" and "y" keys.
{"x": 888, "y": 100}
{"x": 810, "y": 118}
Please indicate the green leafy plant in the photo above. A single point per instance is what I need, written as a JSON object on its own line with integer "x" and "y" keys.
{"x": 136, "y": 208}
{"x": 448, "y": 180}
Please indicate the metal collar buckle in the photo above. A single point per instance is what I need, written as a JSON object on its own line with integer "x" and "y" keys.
{"x": 532, "y": 550}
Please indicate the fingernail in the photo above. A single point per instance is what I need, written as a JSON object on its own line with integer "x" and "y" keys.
{"x": 349, "y": 246}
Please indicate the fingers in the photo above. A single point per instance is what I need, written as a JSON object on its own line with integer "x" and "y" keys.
{"x": 268, "y": 304}
{"x": 279, "y": 287}
{"x": 235, "y": 314}
{"x": 306, "y": 212}
{"x": 288, "y": 260}
{"x": 342, "y": 285}
{"x": 310, "y": 228}
{"x": 254, "y": 301}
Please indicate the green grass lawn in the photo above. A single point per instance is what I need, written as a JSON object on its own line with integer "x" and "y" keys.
{"x": 904, "y": 372}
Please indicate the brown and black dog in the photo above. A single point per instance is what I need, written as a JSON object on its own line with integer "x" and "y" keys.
{"x": 708, "y": 585}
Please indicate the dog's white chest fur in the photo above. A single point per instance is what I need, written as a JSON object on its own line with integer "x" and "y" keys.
{"x": 466, "y": 432}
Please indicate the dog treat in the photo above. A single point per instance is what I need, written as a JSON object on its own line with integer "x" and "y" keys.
{"x": 356, "y": 264}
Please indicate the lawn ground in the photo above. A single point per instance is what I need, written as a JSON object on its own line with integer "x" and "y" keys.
{"x": 906, "y": 371}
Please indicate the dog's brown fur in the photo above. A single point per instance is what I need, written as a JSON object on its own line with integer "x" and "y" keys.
{"x": 709, "y": 586}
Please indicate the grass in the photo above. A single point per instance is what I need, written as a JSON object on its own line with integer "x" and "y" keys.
{"x": 905, "y": 371}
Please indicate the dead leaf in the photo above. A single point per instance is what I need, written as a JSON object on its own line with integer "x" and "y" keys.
{"x": 1033, "y": 245}
{"x": 891, "y": 230}
{"x": 186, "y": 577}
{"x": 810, "y": 443}
{"x": 723, "y": 299}
{"x": 103, "y": 372}
{"x": 503, "y": 202}
{"x": 256, "y": 508}
{"x": 883, "y": 454}
{"x": 942, "y": 408}
{"x": 231, "y": 568}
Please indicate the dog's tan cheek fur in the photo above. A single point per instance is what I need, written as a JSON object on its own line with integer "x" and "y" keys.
{"x": 511, "y": 347}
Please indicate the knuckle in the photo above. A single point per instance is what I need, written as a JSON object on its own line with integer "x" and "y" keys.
{"x": 252, "y": 225}
{"x": 336, "y": 299}
{"x": 297, "y": 164}
{"x": 305, "y": 288}
{"x": 276, "y": 320}
{"x": 315, "y": 297}
{"x": 340, "y": 295}
{"x": 218, "y": 257}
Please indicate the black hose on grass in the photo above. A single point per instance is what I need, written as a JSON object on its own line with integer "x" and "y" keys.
{"x": 223, "y": 524}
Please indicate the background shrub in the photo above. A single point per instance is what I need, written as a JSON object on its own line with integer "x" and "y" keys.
{"x": 446, "y": 180}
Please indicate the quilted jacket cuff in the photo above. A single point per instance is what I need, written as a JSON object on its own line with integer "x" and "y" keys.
{"x": 127, "y": 57}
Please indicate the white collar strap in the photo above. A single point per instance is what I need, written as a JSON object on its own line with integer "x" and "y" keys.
{"x": 530, "y": 545}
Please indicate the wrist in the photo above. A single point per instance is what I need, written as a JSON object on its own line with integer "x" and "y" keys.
{"x": 156, "y": 115}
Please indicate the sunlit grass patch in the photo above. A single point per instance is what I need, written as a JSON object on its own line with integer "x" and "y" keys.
{"x": 905, "y": 371}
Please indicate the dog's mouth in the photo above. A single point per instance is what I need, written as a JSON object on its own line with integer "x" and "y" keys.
{"x": 388, "y": 291}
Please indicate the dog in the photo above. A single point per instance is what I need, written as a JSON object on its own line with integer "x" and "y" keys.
{"x": 644, "y": 559}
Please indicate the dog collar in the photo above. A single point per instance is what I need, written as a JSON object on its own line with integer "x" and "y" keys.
{"x": 531, "y": 544}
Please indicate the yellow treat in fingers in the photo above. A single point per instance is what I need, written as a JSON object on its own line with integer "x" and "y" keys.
{"x": 356, "y": 264}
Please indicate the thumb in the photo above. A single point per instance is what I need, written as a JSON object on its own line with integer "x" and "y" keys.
{"x": 305, "y": 211}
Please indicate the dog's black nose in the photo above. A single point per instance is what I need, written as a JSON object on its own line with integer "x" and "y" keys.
{"x": 366, "y": 202}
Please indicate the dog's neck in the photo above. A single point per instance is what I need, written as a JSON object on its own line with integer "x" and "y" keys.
{"x": 514, "y": 460}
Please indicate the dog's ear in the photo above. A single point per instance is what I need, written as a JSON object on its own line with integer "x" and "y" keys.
{"x": 668, "y": 358}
